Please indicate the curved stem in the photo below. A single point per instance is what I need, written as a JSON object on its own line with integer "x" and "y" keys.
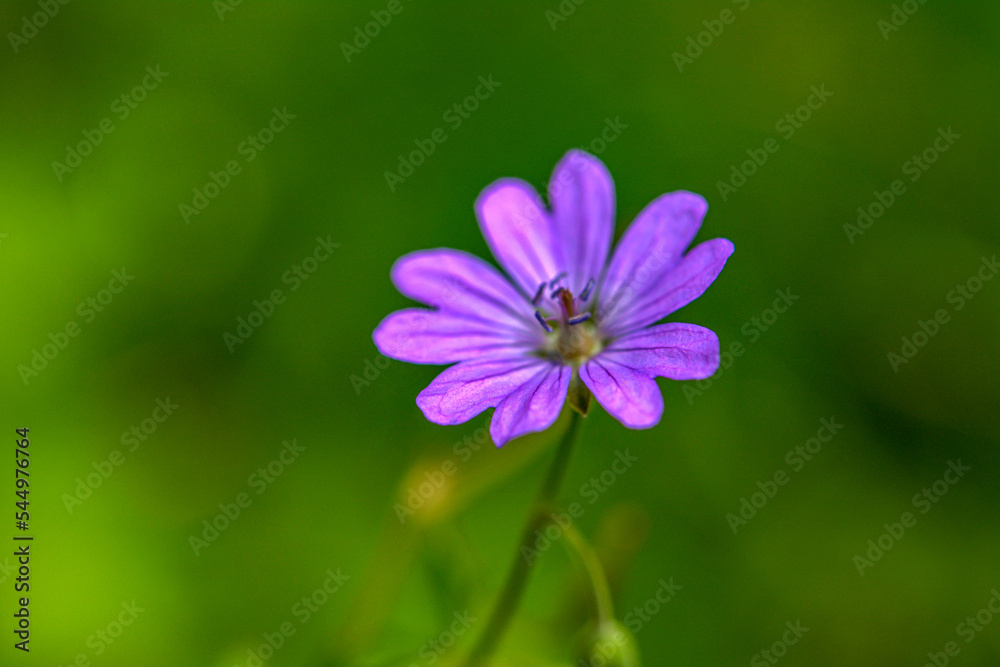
{"x": 518, "y": 575}
{"x": 595, "y": 571}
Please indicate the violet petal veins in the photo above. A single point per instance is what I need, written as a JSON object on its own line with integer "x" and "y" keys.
{"x": 565, "y": 310}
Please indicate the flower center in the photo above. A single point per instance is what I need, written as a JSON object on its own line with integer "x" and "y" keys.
{"x": 578, "y": 344}
{"x": 572, "y": 334}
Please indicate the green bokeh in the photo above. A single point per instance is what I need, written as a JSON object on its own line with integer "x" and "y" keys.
{"x": 323, "y": 176}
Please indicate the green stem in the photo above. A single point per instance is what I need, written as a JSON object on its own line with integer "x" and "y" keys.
{"x": 518, "y": 576}
{"x": 595, "y": 571}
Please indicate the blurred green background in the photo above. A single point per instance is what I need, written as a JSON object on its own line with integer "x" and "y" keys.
{"x": 310, "y": 372}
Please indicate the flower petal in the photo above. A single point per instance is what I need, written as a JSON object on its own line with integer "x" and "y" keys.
{"x": 665, "y": 293}
{"x": 533, "y": 407}
{"x": 630, "y": 396}
{"x": 674, "y": 350}
{"x": 520, "y": 232}
{"x": 527, "y": 392}
{"x": 458, "y": 282}
{"x": 582, "y": 194}
{"x": 652, "y": 245}
{"x": 421, "y": 336}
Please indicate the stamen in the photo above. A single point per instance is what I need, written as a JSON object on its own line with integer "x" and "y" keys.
{"x": 555, "y": 281}
{"x": 555, "y": 295}
{"x": 582, "y": 317}
{"x": 586, "y": 290}
{"x": 538, "y": 294}
{"x": 541, "y": 320}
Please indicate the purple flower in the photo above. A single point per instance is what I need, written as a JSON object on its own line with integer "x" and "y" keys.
{"x": 565, "y": 314}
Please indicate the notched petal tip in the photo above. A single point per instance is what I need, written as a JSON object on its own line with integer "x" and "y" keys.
{"x": 629, "y": 395}
{"x": 532, "y": 407}
{"x": 382, "y": 337}
{"x": 430, "y": 405}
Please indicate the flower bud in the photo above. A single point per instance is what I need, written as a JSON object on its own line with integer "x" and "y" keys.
{"x": 609, "y": 644}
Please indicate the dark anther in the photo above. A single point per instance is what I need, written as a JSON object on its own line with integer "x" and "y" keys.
{"x": 538, "y": 294}
{"x": 555, "y": 281}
